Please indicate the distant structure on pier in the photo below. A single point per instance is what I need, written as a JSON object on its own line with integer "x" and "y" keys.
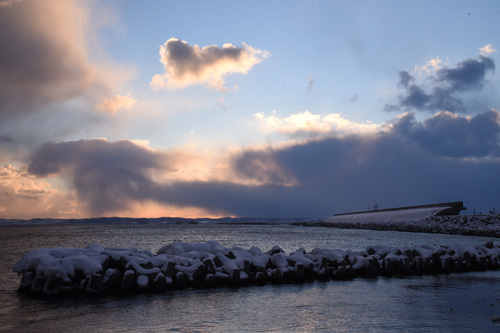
{"x": 401, "y": 213}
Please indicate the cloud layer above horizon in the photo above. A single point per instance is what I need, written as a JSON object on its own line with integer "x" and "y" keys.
{"x": 89, "y": 126}
{"x": 301, "y": 180}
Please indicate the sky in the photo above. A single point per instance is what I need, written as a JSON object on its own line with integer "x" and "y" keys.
{"x": 246, "y": 108}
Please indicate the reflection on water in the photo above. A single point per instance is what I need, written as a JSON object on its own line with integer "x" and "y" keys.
{"x": 433, "y": 303}
{"x": 441, "y": 303}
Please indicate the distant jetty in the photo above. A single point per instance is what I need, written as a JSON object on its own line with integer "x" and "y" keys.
{"x": 99, "y": 270}
{"x": 441, "y": 218}
{"x": 420, "y": 211}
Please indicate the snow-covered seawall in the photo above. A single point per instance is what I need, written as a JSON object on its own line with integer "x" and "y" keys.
{"x": 477, "y": 225}
{"x": 97, "y": 270}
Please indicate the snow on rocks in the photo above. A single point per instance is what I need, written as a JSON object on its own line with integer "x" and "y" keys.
{"x": 477, "y": 225}
{"x": 97, "y": 270}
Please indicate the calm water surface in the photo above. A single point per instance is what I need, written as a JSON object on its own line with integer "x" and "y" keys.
{"x": 441, "y": 303}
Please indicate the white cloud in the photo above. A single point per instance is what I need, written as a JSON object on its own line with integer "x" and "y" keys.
{"x": 186, "y": 65}
{"x": 115, "y": 103}
{"x": 487, "y": 50}
{"x": 313, "y": 123}
{"x": 430, "y": 66}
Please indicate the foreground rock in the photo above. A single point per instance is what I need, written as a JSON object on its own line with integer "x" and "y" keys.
{"x": 97, "y": 270}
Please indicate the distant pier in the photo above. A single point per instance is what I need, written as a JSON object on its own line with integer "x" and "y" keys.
{"x": 446, "y": 208}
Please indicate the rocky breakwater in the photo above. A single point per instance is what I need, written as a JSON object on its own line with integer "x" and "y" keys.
{"x": 97, "y": 270}
{"x": 477, "y": 225}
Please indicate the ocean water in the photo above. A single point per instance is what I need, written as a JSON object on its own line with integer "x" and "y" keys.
{"x": 463, "y": 302}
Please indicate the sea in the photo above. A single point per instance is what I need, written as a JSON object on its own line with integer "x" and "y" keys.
{"x": 461, "y": 302}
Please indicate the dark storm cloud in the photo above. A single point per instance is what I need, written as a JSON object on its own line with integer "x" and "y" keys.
{"x": 405, "y": 79}
{"x": 5, "y": 138}
{"x": 109, "y": 176}
{"x": 469, "y": 74}
{"x": 265, "y": 168}
{"x": 444, "y": 158}
{"x": 415, "y": 97}
{"x": 447, "y": 134}
{"x": 106, "y": 175}
{"x": 442, "y": 92}
{"x": 355, "y": 172}
{"x": 242, "y": 200}
{"x": 411, "y": 163}
{"x": 42, "y": 57}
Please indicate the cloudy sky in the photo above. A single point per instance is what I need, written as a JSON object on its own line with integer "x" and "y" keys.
{"x": 247, "y": 108}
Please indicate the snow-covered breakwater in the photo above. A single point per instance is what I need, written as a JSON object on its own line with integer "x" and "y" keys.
{"x": 476, "y": 225}
{"x": 97, "y": 270}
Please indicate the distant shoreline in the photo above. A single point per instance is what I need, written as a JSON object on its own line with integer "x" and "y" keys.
{"x": 473, "y": 225}
{"x": 155, "y": 221}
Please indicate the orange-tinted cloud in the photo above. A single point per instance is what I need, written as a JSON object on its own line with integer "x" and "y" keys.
{"x": 151, "y": 209}
{"x": 113, "y": 104}
{"x": 186, "y": 65}
{"x": 24, "y": 196}
{"x": 107, "y": 176}
{"x": 444, "y": 158}
{"x": 50, "y": 55}
{"x": 53, "y": 72}
{"x": 487, "y": 50}
{"x": 44, "y": 54}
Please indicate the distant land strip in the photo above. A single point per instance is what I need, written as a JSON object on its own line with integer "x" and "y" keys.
{"x": 474, "y": 225}
{"x": 156, "y": 220}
